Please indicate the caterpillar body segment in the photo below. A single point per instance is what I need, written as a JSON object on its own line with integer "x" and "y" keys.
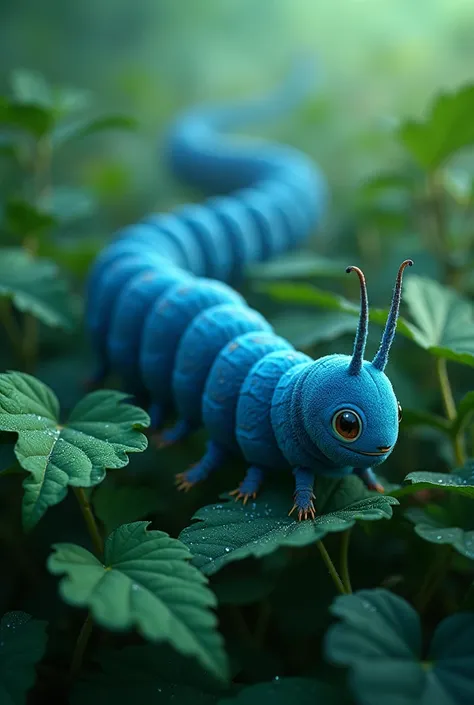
{"x": 163, "y": 313}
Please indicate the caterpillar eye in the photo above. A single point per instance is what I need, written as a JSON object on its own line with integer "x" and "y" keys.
{"x": 347, "y": 425}
{"x": 400, "y": 412}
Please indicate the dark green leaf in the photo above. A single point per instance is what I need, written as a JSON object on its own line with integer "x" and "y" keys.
{"x": 100, "y": 432}
{"x": 83, "y": 127}
{"x": 35, "y": 286}
{"x": 306, "y": 329}
{"x": 22, "y": 218}
{"x": 447, "y": 129}
{"x": 463, "y": 412}
{"x": 443, "y": 321}
{"x": 435, "y": 524}
{"x": 145, "y": 582}
{"x": 416, "y": 417}
{"x": 283, "y": 691}
{"x": 308, "y": 295}
{"x": 146, "y": 675}
{"x": 120, "y": 504}
{"x": 230, "y": 531}
{"x": 28, "y": 117}
{"x": 297, "y": 265}
{"x": 22, "y": 645}
{"x": 379, "y": 638}
{"x": 460, "y": 481}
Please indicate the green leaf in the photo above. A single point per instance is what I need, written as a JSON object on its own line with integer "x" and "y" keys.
{"x": 84, "y": 127}
{"x": 308, "y": 295}
{"x": 417, "y": 417}
{"x": 145, "y": 675}
{"x": 101, "y": 430}
{"x": 35, "y": 286}
{"x": 120, "y": 504}
{"x": 283, "y": 691}
{"x": 145, "y": 582}
{"x": 68, "y": 204}
{"x": 379, "y": 638}
{"x": 463, "y": 413}
{"x": 22, "y": 645}
{"x": 306, "y": 329}
{"x": 28, "y": 117}
{"x": 230, "y": 531}
{"x": 442, "y": 320}
{"x": 460, "y": 481}
{"x": 447, "y": 129}
{"x": 436, "y": 525}
{"x": 22, "y": 218}
{"x": 31, "y": 87}
{"x": 297, "y": 264}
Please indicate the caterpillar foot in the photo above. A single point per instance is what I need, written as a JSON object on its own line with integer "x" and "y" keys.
{"x": 369, "y": 479}
{"x": 305, "y": 510}
{"x": 250, "y": 485}
{"x": 244, "y": 496}
{"x": 183, "y": 484}
{"x": 181, "y": 430}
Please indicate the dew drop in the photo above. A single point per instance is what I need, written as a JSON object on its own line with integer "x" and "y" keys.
{"x": 277, "y": 678}
{"x": 227, "y": 549}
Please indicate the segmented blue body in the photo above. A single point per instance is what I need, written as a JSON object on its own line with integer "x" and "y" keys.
{"x": 161, "y": 315}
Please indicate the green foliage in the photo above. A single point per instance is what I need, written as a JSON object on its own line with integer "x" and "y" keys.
{"x": 35, "y": 286}
{"x": 379, "y": 637}
{"x": 145, "y": 582}
{"x": 445, "y": 130}
{"x": 235, "y": 610}
{"x": 22, "y": 646}
{"x": 443, "y": 321}
{"x": 99, "y": 433}
{"x": 229, "y": 531}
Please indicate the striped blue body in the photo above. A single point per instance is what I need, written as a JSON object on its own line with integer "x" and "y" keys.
{"x": 163, "y": 314}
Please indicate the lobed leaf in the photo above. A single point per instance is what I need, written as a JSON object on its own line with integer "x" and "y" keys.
{"x": 35, "y": 286}
{"x": 230, "y": 531}
{"x": 436, "y": 525}
{"x": 447, "y": 129}
{"x": 282, "y": 691}
{"x": 101, "y": 430}
{"x": 460, "y": 481}
{"x": 379, "y": 638}
{"x": 22, "y": 645}
{"x": 442, "y": 320}
{"x": 147, "y": 582}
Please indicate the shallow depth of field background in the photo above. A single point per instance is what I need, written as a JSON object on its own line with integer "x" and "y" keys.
{"x": 380, "y": 61}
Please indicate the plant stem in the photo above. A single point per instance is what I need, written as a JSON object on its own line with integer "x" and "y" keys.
{"x": 88, "y": 515}
{"x": 434, "y": 577}
{"x": 450, "y": 408}
{"x": 346, "y": 580}
{"x": 81, "y": 645}
{"x": 30, "y": 342}
{"x": 11, "y": 327}
{"x": 331, "y": 567}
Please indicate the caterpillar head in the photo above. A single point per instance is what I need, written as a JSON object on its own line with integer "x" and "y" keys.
{"x": 349, "y": 409}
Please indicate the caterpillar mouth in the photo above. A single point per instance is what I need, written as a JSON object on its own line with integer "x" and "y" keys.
{"x": 383, "y": 450}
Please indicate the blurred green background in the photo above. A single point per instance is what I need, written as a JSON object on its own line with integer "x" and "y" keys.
{"x": 379, "y": 61}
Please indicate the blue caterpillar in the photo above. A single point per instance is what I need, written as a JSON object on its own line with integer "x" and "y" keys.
{"x": 160, "y": 316}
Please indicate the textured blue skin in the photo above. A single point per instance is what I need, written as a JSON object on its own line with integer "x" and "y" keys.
{"x": 165, "y": 324}
{"x": 254, "y": 430}
{"x": 192, "y": 342}
{"x": 225, "y": 379}
{"x": 201, "y": 343}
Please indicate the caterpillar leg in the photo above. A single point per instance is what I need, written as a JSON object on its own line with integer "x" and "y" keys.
{"x": 157, "y": 416}
{"x": 367, "y": 476}
{"x": 250, "y": 484}
{"x": 304, "y": 495}
{"x": 211, "y": 461}
{"x": 181, "y": 430}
